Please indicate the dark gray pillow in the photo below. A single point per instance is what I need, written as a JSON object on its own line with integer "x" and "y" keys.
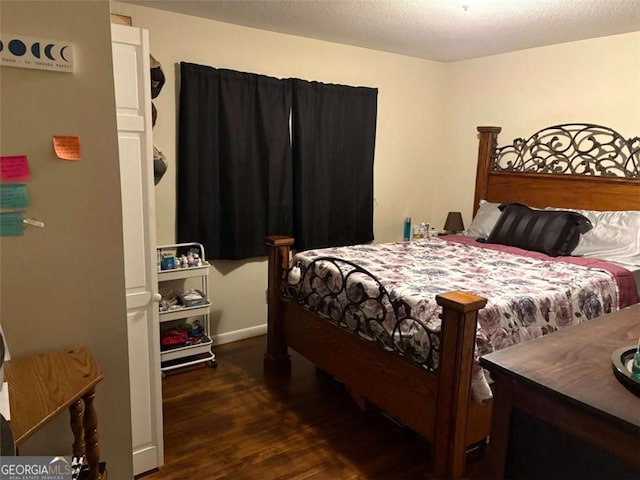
{"x": 555, "y": 233}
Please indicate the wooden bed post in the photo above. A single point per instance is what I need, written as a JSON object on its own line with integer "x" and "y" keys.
{"x": 277, "y": 358}
{"x": 459, "y": 318}
{"x": 488, "y": 141}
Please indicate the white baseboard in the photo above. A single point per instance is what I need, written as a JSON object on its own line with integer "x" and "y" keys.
{"x": 236, "y": 335}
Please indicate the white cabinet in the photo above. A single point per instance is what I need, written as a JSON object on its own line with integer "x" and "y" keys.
{"x": 184, "y": 323}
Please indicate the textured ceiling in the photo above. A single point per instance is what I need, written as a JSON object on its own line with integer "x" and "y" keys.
{"x": 442, "y": 30}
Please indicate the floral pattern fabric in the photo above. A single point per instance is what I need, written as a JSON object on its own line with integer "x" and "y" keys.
{"x": 527, "y": 297}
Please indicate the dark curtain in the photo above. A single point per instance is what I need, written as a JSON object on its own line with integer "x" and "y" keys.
{"x": 234, "y": 177}
{"x": 334, "y": 130}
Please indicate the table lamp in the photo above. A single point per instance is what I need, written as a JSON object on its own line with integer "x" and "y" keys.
{"x": 454, "y": 223}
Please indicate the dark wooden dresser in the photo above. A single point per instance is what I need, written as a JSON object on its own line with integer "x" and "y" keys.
{"x": 563, "y": 386}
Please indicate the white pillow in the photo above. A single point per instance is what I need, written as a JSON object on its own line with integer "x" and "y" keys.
{"x": 615, "y": 236}
{"x": 484, "y": 221}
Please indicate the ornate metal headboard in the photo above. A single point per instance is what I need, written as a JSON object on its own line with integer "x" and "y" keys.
{"x": 581, "y": 166}
{"x": 574, "y": 149}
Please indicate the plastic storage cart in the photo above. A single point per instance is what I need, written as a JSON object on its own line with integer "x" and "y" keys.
{"x": 184, "y": 311}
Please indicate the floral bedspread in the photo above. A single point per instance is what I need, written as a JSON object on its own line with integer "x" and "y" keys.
{"x": 527, "y": 297}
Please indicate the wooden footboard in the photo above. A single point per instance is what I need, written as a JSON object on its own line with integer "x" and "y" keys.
{"x": 437, "y": 405}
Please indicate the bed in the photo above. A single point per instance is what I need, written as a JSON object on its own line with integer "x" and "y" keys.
{"x": 576, "y": 166}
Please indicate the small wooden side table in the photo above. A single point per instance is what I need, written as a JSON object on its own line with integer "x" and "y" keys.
{"x": 41, "y": 386}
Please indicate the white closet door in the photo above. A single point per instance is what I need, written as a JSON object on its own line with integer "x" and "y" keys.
{"x": 133, "y": 103}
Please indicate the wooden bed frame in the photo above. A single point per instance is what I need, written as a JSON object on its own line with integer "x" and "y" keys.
{"x": 413, "y": 395}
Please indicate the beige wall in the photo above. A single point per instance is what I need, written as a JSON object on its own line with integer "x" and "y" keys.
{"x": 426, "y": 142}
{"x": 409, "y": 131}
{"x": 593, "y": 81}
{"x": 63, "y": 285}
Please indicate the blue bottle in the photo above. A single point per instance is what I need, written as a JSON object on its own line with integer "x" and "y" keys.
{"x": 635, "y": 365}
{"x": 406, "y": 235}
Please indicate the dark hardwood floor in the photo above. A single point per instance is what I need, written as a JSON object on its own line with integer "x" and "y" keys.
{"x": 235, "y": 422}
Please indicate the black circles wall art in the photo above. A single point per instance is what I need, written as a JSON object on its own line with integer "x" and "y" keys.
{"x": 34, "y": 52}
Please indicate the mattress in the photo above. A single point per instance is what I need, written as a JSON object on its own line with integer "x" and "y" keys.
{"x": 529, "y": 294}
{"x": 634, "y": 271}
